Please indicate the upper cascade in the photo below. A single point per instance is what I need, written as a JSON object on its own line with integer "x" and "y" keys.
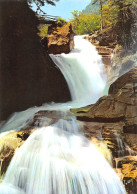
{"x": 84, "y": 72}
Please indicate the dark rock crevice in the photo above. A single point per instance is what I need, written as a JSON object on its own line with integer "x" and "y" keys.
{"x": 28, "y": 76}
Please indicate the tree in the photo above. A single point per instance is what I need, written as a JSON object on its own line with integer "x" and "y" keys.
{"x": 109, "y": 15}
{"x": 101, "y": 2}
{"x": 126, "y": 21}
{"x": 40, "y": 3}
{"x": 85, "y": 23}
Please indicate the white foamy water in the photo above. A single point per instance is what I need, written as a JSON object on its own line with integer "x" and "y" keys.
{"x": 57, "y": 159}
{"x": 84, "y": 72}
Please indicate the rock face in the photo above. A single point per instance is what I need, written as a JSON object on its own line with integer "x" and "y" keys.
{"x": 60, "y": 39}
{"x": 28, "y": 76}
{"x": 105, "y": 43}
{"x": 106, "y": 37}
{"x": 115, "y": 116}
{"x": 9, "y": 144}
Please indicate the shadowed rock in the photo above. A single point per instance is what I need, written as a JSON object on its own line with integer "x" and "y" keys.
{"x": 28, "y": 76}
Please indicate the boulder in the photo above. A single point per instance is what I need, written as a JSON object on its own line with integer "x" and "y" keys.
{"x": 60, "y": 39}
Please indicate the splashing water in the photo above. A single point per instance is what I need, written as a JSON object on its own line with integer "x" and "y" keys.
{"x": 84, "y": 72}
{"x": 58, "y": 159}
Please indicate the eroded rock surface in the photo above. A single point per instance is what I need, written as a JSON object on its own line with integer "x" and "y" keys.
{"x": 60, "y": 39}
{"x": 9, "y": 144}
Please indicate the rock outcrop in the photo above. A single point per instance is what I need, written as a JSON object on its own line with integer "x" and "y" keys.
{"x": 9, "y": 144}
{"x": 60, "y": 39}
{"x": 105, "y": 42}
{"x": 119, "y": 105}
{"x": 28, "y": 76}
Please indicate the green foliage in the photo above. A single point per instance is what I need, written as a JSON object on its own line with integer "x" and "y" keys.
{"x": 109, "y": 15}
{"x": 61, "y": 22}
{"x": 85, "y": 23}
{"x": 43, "y": 30}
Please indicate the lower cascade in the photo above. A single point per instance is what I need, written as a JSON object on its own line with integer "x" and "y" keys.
{"x": 58, "y": 159}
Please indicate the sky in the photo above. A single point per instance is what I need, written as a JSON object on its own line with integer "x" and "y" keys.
{"x": 64, "y": 8}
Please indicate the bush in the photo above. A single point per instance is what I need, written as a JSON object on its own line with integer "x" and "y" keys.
{"x": 61, "y": 22}
{"x": 43, "y": 30}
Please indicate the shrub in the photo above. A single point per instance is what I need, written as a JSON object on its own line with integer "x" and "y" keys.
{"x": 61, "y": 22}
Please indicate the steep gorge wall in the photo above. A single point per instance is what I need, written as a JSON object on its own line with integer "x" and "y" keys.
{"x": 28, "y": 77}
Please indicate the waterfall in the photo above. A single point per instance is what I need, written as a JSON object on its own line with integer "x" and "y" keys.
{"x": 58, "y": 159}
{"x": 85, "y": 75}
{"x": 84, "y": 72}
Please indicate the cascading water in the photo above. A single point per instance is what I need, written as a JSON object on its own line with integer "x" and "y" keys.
{"x": 84, "y": 72}
{"x": 58, "y": 159}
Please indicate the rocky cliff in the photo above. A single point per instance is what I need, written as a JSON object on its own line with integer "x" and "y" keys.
{"x": 28, "y": 77}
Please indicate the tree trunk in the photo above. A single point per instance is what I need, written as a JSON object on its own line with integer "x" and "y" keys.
{"x": 101, "y": 8}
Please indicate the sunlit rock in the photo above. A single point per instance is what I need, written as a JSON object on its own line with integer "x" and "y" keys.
{"x": 60, "y": 39}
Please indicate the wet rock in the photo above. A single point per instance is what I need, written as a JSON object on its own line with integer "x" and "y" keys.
{"x": 9, "y": 143}
{"x": 119, "y": 105}
{"x": 113, "y": 136}
{"x": 60, "y": 39}
{"x": 91, "y": 129}
{"x": 129, "y": 171}
{"x": 103, "y": 149}
{"x": 45, "y": 118}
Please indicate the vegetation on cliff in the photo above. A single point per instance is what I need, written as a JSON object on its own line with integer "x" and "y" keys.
{"x": 85, "y": 23}
{"x": 43, "y": 28}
